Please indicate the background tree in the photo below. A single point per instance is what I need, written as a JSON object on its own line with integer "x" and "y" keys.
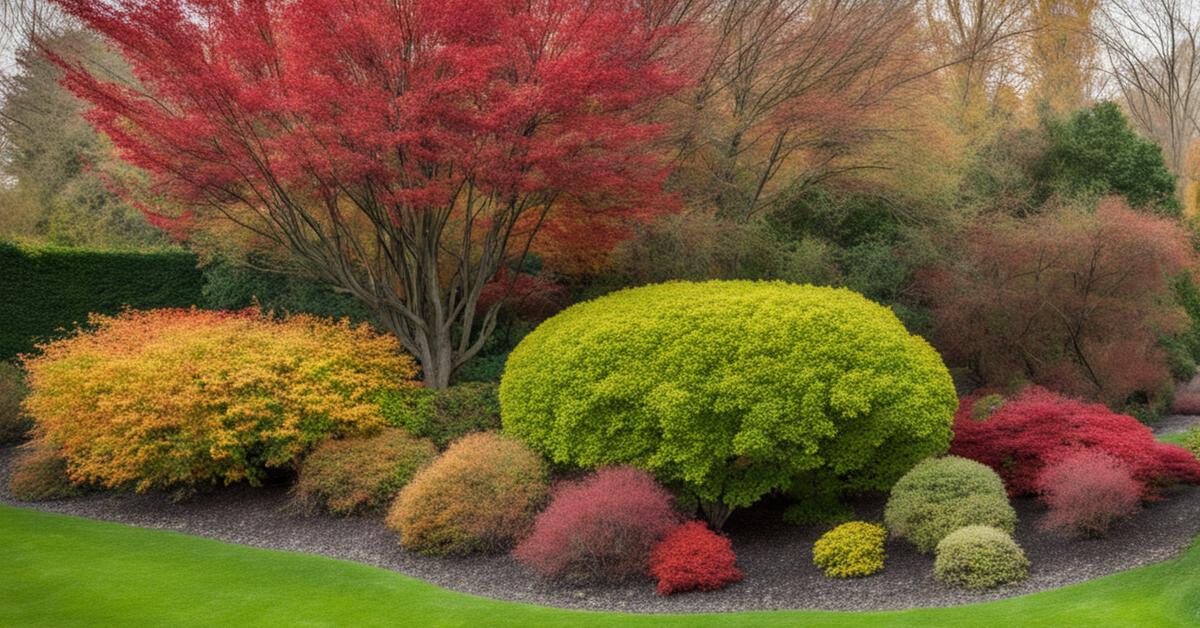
{"x": 54, "y": 160}
{"x": 1064, "y": 54}
{"x": 1153, "y": 49}
{"x": 1073, "y": 300}
{"x": 400, "y": 151}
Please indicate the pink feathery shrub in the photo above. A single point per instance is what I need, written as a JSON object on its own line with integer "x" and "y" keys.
{"x": 1087, "y": 492}
{"x": 600, "y": 528}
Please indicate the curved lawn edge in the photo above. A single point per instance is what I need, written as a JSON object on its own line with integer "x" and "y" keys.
{"x": 64, "y": 571}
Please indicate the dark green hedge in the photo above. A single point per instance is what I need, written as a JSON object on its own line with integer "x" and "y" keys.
{"x": 47, "y": 289}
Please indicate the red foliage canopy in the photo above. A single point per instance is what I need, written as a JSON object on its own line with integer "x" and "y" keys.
{"x": 401, "y": 150}
{"x": 1039, "y": 428}
{"x": 692, "y": 557}
{"x": 1069, "y": 299}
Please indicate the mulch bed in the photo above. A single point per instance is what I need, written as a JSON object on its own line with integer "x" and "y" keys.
{"x": 776, "y": 558}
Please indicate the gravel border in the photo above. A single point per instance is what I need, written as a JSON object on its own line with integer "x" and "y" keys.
{"x": 776, "y": 558}
{"x": 1175, "y": 424}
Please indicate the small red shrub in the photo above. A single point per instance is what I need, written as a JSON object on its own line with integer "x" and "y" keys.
{"x": 600, "y": 528}
{"x": 692, "y": 557}
{"x": 1038, "y": 428}
{"x": 1186, "y": 403}
{"x": 1087, "y": 492}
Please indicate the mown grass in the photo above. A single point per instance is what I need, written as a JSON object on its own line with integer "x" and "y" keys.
{"x": 64, "y": 571}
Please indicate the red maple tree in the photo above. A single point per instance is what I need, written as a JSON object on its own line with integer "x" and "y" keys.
{"x": 402, "y": 151}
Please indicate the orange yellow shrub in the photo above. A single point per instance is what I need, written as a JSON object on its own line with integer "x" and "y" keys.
{"x": 480, "y": 495}
{"x": 178, "y": 398}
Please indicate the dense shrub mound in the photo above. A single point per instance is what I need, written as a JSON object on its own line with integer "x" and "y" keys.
{"x": 693, "y": 558}
{"x": 480, "y": 495}
{"x": 40, "y": 474}
{"x": 14, "y": 423}
{"x": 980, "y": 557}
{"x": 731, "y": 389}
{"x": 1037, "y": 428}
{"x": 1087, "y": 492}
{"x": 360, "y": 473}
{"x": 186, "y": 397}
{"x": 601, "y": 528}
{"x": 444, "y": 415}
{"x": 851, "y": 550}
{"x": 941, "y": 495}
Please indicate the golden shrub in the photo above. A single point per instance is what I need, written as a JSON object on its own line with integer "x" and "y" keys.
{"x": 171, "y": 398}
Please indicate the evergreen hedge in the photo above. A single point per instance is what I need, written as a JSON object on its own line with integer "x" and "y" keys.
{"x": 45, "y": 289}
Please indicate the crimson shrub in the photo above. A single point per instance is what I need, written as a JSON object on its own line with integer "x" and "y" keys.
{"x": 1038, "y": 428}
{"x": 693, "y": 557}
{"x": 600, "y": 528}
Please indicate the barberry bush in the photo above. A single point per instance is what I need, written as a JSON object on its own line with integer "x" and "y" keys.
{"x": 1087, "y": 492}
{"x": 980, "y": 557}
{"x": 481, "y": 494}
{"x": 40, "y": 474}
{"x": 731, "y": 389}
{"x": 600, "y": 528}
{"x": 181, "y": 398}
{"x": 1038, "y": 428}
{"x": 356, "y": 474}
{"x": 693, "y": 558}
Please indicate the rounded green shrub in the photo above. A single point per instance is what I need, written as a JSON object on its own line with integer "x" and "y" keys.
{"x": 980, "y": 557}
{"x": 350, "y": 475}
{"x": 941, "y": 495}
{"x": 731, "y": 389}
{"x": 851, "y": 550}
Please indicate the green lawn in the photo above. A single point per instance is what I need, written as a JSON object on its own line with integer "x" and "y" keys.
{"x": 64, "y": 571}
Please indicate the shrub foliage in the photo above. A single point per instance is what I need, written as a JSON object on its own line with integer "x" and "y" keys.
{"x": 980, "y": 557}
{"x": 14, "y": 422}
{"x": 601, "y": 528}
{"x": 693, "y": 558}
{"x": 941, "y": 495}
{"x": 444, "y": 415}
{"x": 40, "y": 474}
{"x": 167, "y": 398}
{"x": 851, "y": 550}
{"x": 1087, "y": 492}
{"x": 731, "y": 389}
{"x": 1038, "y": 428}
{"x": 355, "y": 474}
{"x": 480, "y": 495}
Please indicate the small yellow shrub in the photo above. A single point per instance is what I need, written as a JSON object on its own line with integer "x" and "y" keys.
{"x": 178, "y": 398}
{"x": 851, "y": 550}
{"x": 480, "y": 495}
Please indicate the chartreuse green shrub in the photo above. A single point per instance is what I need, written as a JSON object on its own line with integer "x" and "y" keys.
{"x": 851, "y": 550}
{"x": 731, "y": 389}
{"x": 980, "y": 557}
{"x": 941, "y": 495}
{"x": 445, "y": 415}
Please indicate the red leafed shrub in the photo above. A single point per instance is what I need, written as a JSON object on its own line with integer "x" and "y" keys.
{"x": 600, "y": 528}
{"x": 1038, "y": 428}
{"x": 692, "y": 557}
{"x": 1186, "y": 403}
{"x": 1087, "y": 492}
